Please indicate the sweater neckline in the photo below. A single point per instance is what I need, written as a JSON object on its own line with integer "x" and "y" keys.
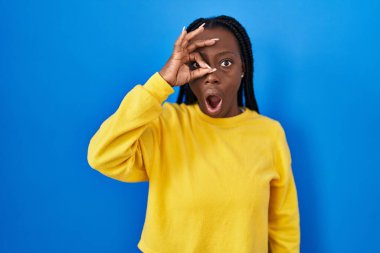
{"x": 229, "y": 121}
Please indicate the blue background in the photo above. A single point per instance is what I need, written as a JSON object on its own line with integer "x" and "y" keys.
{"x": 66, "y": 65}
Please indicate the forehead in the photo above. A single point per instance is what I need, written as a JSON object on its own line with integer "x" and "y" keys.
{"x": 226, "y": 42}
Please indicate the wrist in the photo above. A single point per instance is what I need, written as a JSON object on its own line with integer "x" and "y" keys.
{"x": 162, "y": 74}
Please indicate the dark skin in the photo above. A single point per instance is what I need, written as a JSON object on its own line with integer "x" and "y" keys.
{"x": 209, "y": 60}
{"x": 225, "y": 81}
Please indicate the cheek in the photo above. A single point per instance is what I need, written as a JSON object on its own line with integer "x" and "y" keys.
{"x": 235, "y": 74}
{"x": 232, "y": 74}
{"x": 232, "y": 88}
{"x": 194, "y": 86}
{"x": 233, "y": 78}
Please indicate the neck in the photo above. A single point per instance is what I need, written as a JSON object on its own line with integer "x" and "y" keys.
{"x": 236, "y": 111}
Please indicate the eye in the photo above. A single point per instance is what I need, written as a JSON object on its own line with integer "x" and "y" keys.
{"x": 194, "y": 65}
{"x": 226, "y": 63}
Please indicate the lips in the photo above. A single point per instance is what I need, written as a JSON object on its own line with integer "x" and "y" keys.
{"x": 213, "y": 103}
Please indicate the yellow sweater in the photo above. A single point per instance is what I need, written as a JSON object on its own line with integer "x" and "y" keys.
{"x": 215, "y": 184}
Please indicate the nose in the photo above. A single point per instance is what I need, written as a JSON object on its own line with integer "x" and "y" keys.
{"x": 212, "y": 78}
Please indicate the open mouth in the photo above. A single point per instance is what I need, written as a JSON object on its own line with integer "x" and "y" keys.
{"x": 214, "y": 104}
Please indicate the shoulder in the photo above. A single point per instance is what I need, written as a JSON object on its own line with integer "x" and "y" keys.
{"x": 278, "y": 135}
{"x": 174, "y": 113}
{"x": 170, "y": 109}
{"x": 267, "y": 123}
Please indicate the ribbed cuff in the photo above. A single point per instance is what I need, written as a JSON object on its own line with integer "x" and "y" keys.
{"x": 158, "y": 87}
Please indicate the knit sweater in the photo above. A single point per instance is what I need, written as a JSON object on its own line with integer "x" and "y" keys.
{"x": 215, "y": 184}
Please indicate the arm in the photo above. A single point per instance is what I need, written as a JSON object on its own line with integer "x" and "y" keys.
{"x": 123, "y": 145}
{"x": 284, "y": 223}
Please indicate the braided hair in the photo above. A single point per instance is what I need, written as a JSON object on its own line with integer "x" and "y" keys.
{"x": 245, "y": 46}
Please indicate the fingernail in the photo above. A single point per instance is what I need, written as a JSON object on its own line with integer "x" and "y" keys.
{"x": 208, "y": 66}
{"x": 215, "y": 39}
{"x": 212, "y": 70}
{"x": 183, "y": 29}
{"x": 202, "y": 25}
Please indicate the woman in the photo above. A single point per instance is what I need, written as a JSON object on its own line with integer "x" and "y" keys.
{"x": 220, "y": 176}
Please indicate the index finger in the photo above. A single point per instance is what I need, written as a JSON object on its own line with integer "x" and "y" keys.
{"x": 192, "y": 34}
{"x": 180, "y": 38}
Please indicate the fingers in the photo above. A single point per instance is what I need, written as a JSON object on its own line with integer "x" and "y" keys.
{"x": 198, "y": 58}
{"x": 192, "y": 34}
{"x": 201, "y": 43}
{"x": 200, "y": 72}
{"x": 197, "y": 31}
{"x": 179, "y": 41}
{"x": 184, "y": 38}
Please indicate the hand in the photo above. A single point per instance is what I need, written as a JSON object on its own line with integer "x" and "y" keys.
{"x": 177, "y": 71}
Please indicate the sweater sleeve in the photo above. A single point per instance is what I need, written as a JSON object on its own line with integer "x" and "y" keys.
{"x": 284, "y": 224}
{"x": 123, "y": 146}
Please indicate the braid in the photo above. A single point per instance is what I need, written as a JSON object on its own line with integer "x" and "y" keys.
{"x": 246, "y": 90}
